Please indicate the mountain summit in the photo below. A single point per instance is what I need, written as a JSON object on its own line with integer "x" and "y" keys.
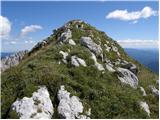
{"x": 77, "y": 72}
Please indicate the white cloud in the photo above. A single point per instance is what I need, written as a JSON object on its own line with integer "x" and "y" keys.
{"x": 5, "y": 27}
{"x": 31, "y": 28}
{"x": 124, "y": 15}
{"x": 29, "y": 42}
{"x": 138, "y": 43}
{"x": 13, "y": 42}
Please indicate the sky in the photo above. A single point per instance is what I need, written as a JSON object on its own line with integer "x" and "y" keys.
{"x": 131, "y": 24}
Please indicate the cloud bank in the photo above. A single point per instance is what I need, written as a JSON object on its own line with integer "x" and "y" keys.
{"x": 124, "y": 15}
{"x": 130, "y": 43}
{"x": 29, "y": 29}
{"x": 5, "y": 27}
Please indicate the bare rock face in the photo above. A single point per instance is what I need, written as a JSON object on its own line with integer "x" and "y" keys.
{"x": 12, "y": 60}
{"x": 145, "y": 107}
{"x": 154, "y": 91}
{"x": 69, "y": 107}
{"x": 93, "y": 47}
{"x": 38, "y": 106}
{"x": 127, "y": 77}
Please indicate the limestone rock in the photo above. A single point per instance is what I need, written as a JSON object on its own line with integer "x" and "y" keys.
{"x": 109, "y": 67}
{"x": 127, "y": 77}
{"x": 65, "y": 54}
{"x": 108, "y": 48}
{"x": 92, "y": 46}
{"x": 143, "y": 91}
{"x": 98, "y": 65}
{"x": 154, "y": 90}
{"x": 145, "y": 107}
{"x": 131, "y": 67}
{"x": 69, "y": 107}
{"x": 77, "y": 61}
{"x": 38, "y": 106}
{"x": 65, "y": 35}
{"x": 71, "y": 42}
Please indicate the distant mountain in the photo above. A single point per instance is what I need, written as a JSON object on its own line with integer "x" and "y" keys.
{"x": 78, "y": 72}
{"x": 4, "y": 54}
{"x": 147, "y": 57}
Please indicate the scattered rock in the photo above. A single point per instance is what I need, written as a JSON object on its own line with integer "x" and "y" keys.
{"x": 109, "y": 67}
{"x": 131, "y": 67}
{"x": 65, "y": 54}
{"x": 65, "y": 36}
{"x": 98, "y": 65}
{"x": 108, "y": 48}
{"x": 88, "y": 112}
{"x": 12, "y": 60}
{"x": 38, "y": 106}
{"x": 127, "y": 77}
{"x": 145, "y": 107}
{"x": 69, "y": 107}
{"x": 77, "y": 61}
{"x": 71, "y": 42}
{"x": 143, "y": 91}
{"x": 114, "y": 48}
{"x": 154, "y": 90}
{"x": 93, "y": 47}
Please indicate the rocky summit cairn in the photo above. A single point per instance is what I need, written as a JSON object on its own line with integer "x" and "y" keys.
{"x": 78, "y": 72}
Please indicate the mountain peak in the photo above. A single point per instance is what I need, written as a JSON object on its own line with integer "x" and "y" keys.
{"x": 84, "y": 73}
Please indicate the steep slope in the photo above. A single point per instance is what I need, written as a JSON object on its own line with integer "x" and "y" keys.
{"x": 85, "y": 74}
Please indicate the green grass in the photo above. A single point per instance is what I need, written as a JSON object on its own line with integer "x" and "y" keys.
{"x": 103, "y": 93}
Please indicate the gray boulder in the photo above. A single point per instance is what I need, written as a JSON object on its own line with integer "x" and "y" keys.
{"x": 77, "y": 61}
{"x": 98, "y": 65}
{"x": 143, "y": 91}
{"x": 127, "y": 77}
{"x": 131, "y": 67}
{"x": 92, "y": 46}
{"x": 69, "y": 107}
{"x": 154, "y": 90}
{"x": 145, "y": 107}
{"x": 65, "y": 36}
{"x": 65, "y": 54}
{"x": 39, "y": 106}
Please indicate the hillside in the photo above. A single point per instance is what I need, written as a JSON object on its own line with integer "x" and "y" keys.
{"x": 78, "y": 72}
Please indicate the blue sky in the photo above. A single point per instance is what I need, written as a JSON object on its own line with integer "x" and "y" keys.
{"x": 134, "y": 25}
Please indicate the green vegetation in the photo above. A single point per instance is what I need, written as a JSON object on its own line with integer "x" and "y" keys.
{"x": 102, "y": 92}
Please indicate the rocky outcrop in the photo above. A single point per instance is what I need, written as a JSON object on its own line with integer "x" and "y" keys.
{"x": 65, "y": 35}
{"x": 38, "y": 106}
{"x": 143, "y": 91}
{"x": 76, "y": 61}
{"x": 131, "y": 67}
{"x": 69, "y": 107}
{"x": 145, "y": 107}
{"x": 127, "y": 77}
{"x": 12, "y": 60}
{"x": 98, "y": 65}
{"x": 65, "y": 54}
{"x": 93, "y": 47}
{"x": 154, "y": 91}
